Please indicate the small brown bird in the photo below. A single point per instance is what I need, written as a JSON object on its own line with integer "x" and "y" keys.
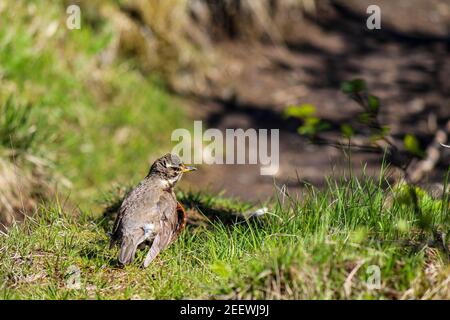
{"x": 150, "y": 211}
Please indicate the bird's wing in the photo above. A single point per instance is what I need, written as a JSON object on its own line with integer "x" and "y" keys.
{"x": 168, "y": 225}
{"x": 136, "y": 201}
{"x": 138, "y": 210}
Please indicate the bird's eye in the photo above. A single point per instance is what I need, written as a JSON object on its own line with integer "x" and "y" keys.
{"x": 173, "y": 166}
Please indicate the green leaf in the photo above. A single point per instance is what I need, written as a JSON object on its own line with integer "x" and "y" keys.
{"x": 347, "y": 87}
{"x": 359, "y": 234}
{"x": 385, "y": 130}
{"x": 364, "y": 117}
{"x": 306, "y": 130}
{"x": 347, "y": 130}
{"x": 322, "y": 126}
{"x": 312, "y": 121}
{"x": 375, "y": 137}
{"x": 221, "y": 269}
{"x": 353, "y": 86}
{"x": 412, "y": 145}
{"x": 303, "y": 111}
{"x": 381, "y": 134}
{"x": 374, "y": 103}
{"x": 403, "y": 226}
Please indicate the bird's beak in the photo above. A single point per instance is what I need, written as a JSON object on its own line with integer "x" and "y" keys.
{"x": 187, "y": 169}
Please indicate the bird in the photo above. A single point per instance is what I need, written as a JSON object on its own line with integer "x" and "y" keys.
{"x": 149, "y": 214}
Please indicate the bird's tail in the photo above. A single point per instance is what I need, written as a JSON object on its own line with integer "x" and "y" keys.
{"x": 112, "y": 240}
{"x": 127, "y": 251}
{"x": 158, "y": 244}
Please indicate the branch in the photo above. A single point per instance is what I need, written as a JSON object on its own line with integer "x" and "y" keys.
{"x": 341, "y": 145}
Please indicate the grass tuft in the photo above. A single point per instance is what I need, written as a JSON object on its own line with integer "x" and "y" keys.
{"x": 323, "y": 247}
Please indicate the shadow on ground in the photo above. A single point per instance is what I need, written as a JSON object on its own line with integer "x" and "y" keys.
{"x": 407, "y": 70}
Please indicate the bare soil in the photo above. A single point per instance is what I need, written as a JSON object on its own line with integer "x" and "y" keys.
{"x": 406, "y": 64}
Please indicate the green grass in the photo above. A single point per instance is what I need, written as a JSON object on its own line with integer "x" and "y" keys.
{"x": 301, "y": 249}
{"x": 91, "y": 125}
{"x": 102, "y": 122}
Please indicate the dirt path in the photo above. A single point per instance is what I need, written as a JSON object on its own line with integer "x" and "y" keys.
{"x": 406, "y": 64}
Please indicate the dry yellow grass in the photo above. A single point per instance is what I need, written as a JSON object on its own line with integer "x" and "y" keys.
{"x": 175, "y": 38}
{"x": 22, "y": 187}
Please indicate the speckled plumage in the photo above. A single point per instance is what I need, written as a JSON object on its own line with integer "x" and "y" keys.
{"x": 149, "y": 212}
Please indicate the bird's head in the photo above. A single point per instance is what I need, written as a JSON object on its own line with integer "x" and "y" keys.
{"x": 169, "y": 168}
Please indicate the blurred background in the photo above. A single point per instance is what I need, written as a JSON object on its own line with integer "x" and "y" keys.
{"x": 84, "y": 112}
